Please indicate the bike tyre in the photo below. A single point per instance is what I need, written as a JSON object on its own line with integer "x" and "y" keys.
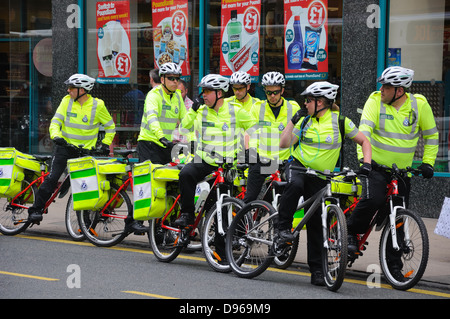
{"x": 106, "y": 231}
{"x": 8, "y": 218}
{"x": 72, "y": 224}
{"x": 211, "y": 249}
{"x": 249, "y": 258}
{"x": 334, "y": 257}
{"x": 164, "y": 242}
{"x": 415, "y": 254}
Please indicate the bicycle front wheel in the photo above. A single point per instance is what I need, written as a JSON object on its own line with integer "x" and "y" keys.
{"x": 108, "y": 229}
{"x": 334, "y": 252}
{"x": 249, "y": 241}
{"x": 164, "y": 241}
{"x": 213, "y": 242}
{"x": 404, "y": 268}
{"x": 14, "y": 220}
{"x": 72, "y": 224}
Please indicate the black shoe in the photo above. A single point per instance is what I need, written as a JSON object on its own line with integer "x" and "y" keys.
{"x": 317, "y": 279}
{"x": 352, "y": 247}
{"x": 397, "y": 274}
{"x": 136, "y": 227}
{"x": 184, "y": 220}
{"x": 285, "y": 236}
{"x": 34, "y": 215}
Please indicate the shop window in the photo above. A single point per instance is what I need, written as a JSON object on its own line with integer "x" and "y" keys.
{"x": 419, "y": 33}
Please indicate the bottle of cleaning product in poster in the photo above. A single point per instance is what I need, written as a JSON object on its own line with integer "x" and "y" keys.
{"x": 234, "y": 29}
{"x": 295, "y": 49}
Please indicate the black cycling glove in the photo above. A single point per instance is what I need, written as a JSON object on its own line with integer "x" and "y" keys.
{"x": 166, "y": 142}
{"x": 427, "y": 170}
{"x": 60, "y": 141}
{"x": 300, "y": 113}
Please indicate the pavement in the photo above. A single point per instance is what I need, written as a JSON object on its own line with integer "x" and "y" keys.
{"x": 437, "y": 273}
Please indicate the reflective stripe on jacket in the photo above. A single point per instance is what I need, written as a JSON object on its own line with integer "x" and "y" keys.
{"x": 79, "y": 124}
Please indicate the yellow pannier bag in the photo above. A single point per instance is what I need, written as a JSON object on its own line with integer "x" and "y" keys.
{"x": 12, "y": 166}
{"x": 166, "y": 173}
{"x": 339, "y": 186}
{"x": 149, "y": 194}
{"x": 90, "y": 188}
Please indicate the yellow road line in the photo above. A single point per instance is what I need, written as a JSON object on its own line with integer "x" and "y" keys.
{"x": 148, "y": 295}
{"x": 27, "y": 276}
{"x": 292, "y": 272}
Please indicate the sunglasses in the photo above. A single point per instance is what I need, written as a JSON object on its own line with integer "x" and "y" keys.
{"x": 309, "y": 99}
{"x": 239, "y": 88}
{"x": 273, "y": 92}
{"x": 173, "y": 78}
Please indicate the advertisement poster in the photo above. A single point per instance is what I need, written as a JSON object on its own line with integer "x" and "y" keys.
{"x": 240, "y": 37}
{"x": 306, "y": 39}
{"x": 113, "y": 41}
{"x": 170, "y": 33}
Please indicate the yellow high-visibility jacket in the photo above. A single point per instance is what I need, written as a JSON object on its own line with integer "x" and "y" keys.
{"x": 79, "y": 124}
{"x": 162, "y": 112}
{"x": 394, "y": 135}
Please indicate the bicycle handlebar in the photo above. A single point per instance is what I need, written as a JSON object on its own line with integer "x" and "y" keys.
{"x": 327, "y": 173}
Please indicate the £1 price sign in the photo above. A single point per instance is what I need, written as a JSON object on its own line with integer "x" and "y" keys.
{"x": 317, "y": 13}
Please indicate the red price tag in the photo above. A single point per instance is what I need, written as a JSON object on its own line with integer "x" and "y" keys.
{"x": 251, "y": 20}
{"x": 317, "y": 14}
{"x": 179, "y": 23}
{"x": 123, "y": 64}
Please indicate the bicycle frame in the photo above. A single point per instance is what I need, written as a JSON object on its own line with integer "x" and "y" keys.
{"x": 126, "y": 183}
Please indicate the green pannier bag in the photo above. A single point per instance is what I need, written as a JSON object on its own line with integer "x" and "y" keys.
{"x": 12, "y": 166}
{"x": 149, "y": 194}
{"x": 90, "y": 188}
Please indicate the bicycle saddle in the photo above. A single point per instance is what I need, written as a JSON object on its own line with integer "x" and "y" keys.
{"x": 42, "y": 158}
{"x": 124, "y": 153}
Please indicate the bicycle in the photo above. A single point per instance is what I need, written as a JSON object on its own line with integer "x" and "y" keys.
{"x": 402, "y": 230}
{"x": 14, "y": 213}
{"x": 105, "y": 227}
{"x": 272, "y": 188}
{"x": 251, "y": 242}
{"x": 168, "y": 241}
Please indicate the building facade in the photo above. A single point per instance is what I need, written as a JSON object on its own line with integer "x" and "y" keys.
{"x": 43, "y": 42}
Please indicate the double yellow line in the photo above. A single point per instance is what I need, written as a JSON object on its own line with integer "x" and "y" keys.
{"x": 141, "y": 251}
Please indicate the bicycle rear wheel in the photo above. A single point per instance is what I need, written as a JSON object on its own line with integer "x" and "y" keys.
{"x": 404, "y": 268}
{"x": 213, "y": 243}
{"x": 14, "y": 220}
{"x": 334, "y": 253}
{"x": 106, "y": 231}
{"x": 164, "y": 242}
{"x": 71, "y": 221}
{"x": 249, "y": 241}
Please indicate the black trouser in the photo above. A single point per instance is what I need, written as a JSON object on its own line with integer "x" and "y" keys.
{"x": 151, "y": 151}
{"x": 299, "y": 184}
{"x": 255, "y": 181}
{"x": 58, "y": 164}
{"x": 189, "y": 177}
{"x": 373, "y": 198}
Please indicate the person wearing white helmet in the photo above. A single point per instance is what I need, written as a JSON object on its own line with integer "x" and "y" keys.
{"x": 272, "y": 116}
{"x": 163, "y": 109}
{"x": 240, "y": 83}
{"x": 76, "y": 121}
{"x": 315, "y": 140}
{"x": 392, "y": 119}
{"x": 218, "y": 122}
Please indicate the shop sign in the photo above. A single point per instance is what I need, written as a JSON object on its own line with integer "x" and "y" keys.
{"x": 306, "y": 39}
{"x": 170, "y": 33}
{"x": 240, "y": 37}
{"x": 113, "y": 41}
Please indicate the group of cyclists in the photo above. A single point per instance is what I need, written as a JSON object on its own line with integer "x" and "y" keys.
{"x": 262, "y": 133}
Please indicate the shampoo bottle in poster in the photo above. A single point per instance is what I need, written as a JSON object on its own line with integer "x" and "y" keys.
{"x": 234, "y": 29}
{"x": 295, "y": 49}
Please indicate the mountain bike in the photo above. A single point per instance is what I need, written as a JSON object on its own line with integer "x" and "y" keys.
{"x": 215, "y": 212}
{"x": 403, "y": 233}
{"x": 251, "y": 242}
{"x": 105, "y": 227}
{"x": 14, "y": 211}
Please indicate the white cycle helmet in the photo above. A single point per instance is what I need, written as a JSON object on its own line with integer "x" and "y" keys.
{"x": 214, "y": 82}
{"x": 397, "y": 76}
{"x": 273, "y": 78}
{"x": 169, "y": 68}
{"x": 81, "y": 81}
{"x": 240, "y": 77}
{"x": 322, "y": 88}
